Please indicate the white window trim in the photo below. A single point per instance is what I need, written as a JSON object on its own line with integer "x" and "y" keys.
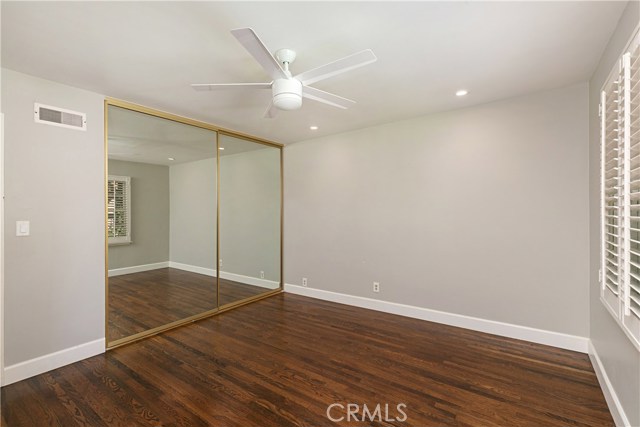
{"x": 123, "y": 240}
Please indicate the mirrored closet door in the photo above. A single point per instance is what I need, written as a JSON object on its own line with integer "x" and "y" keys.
{"x": 193, "y": 220}
{"x": 161, "y": 222}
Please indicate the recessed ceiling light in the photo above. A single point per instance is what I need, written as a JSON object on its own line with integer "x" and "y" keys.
{"x": 462, "y": 92}
{"x": 221, "y": 148}
{"x": 170, "y": 158}
{"x": 313, "y": 127}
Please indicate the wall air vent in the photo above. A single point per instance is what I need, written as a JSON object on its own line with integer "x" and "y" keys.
{"x": 59, "y": 117}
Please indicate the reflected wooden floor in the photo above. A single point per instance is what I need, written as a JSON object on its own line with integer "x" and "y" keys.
{"x": 282, "y": 361}
{"x": 145, "y": 300}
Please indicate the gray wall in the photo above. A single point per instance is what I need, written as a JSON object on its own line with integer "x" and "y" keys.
{"x": 193, "y": 213}
{"x": 250, "y": 213}
{"x": 620, "y": 358}
{"x": 149, "y": 215}
{"x": 54, "y": 177}
{"x": 480, "y": 211}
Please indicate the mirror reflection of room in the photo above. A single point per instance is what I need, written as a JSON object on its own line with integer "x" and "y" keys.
{"x": 162, "y": 210}
{"x": 249, "y": 219}
{"x": 161, "y": 221}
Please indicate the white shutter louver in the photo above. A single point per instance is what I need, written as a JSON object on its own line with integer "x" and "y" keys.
{"x": 611, "y": 166}
{"x": 620, "y": 191}
{"x": 631, "y": 129}
{"x": 119, "y": 209}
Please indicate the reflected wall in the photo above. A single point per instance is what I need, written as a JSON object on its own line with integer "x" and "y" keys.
{"x": 250, "y": 218}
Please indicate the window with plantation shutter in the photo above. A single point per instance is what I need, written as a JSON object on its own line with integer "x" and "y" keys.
{"x": 119, "y": 209}
{"x": 620, "y": 191}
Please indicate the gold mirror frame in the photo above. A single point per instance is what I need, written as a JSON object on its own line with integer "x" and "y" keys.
{"x": 220, "y": 309}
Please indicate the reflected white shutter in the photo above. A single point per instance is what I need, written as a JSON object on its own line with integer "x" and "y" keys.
{"x": 119, "y": 209}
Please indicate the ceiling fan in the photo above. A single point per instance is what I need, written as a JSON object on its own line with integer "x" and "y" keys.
{"x": 288, "y": 90}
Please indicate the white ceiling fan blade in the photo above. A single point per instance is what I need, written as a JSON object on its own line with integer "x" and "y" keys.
{"x": 326, "y": 97}
{"x": 250, "y": 40}
{"x": 271, "y": 112}
{"x": 343, "y": 65}
{"x": 215, "y": 86}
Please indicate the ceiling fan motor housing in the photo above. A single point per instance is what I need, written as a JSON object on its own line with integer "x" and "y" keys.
{"x": 287, "y": 94}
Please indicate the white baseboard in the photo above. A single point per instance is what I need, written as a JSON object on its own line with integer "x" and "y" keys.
{"x": 138, "y": 268}
{"x": 540, "y": 336}
{"x": 193, "y": 268}
{"x": 42, "y": 364}
{"x": 263, "y": 283}
{"x": 615, "y": 407}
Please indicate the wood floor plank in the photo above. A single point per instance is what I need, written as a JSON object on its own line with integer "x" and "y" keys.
{"x": 148, "y": 299}
{"x": 282, "y": 361}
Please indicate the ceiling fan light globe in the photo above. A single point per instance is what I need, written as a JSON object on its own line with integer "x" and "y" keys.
{"x": 287, "y": 101}
{"x": 287, "y": 94}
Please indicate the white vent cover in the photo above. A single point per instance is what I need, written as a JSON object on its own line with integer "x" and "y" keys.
{"x": 59, "y": 117}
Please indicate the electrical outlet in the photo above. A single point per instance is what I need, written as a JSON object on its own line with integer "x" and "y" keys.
{"x": 376, "y": 287}
{"x": 262, "y": 274}
{"x": 304, "y": 281}
{"x": 220, "y": 263}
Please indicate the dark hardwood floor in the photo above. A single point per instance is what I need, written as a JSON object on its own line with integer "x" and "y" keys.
{"x": 145, "y": 300}
{"x": 284, "y": 360}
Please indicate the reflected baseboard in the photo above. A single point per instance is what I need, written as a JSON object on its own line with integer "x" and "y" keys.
{"x": 138, "y": 268}
{"x": 193, "y": 268}
{"x": 263, "y": 283}
{"x": 248, "y": 280}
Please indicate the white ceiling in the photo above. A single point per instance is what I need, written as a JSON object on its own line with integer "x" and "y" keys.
{"x": 149, "y": 53}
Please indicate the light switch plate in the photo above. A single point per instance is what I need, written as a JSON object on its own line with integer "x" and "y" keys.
{"x": 22, "y": 228}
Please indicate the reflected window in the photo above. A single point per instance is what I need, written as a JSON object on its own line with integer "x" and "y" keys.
{"x": 119, "y": 209}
